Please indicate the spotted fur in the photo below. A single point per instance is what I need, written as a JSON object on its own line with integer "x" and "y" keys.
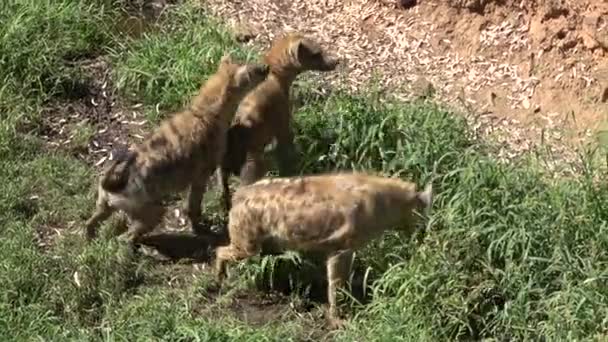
{"x": 181, "y": 153}
{"x": 335, "y": 214}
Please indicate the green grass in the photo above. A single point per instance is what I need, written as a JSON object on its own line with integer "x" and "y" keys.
{"x": 509, "y": 252}
{"x": 167, "y": 68}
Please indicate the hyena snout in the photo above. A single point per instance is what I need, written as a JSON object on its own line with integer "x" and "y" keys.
{"x": 330, "y": 63}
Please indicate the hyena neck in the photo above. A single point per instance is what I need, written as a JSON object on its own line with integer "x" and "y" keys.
{"x": 284, "y": 77}
{"x": 212, "y": 105}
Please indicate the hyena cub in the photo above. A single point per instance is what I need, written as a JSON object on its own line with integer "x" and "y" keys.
{"x": 334, "y": 214}
{"x": 265, "y": 113}
{"x": 183, "y": 152}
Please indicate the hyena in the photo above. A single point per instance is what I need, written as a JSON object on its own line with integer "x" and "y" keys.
{"x": 265, "y": 114}
{"x": 334, "y": 214}
{"x": 182, "y": 152}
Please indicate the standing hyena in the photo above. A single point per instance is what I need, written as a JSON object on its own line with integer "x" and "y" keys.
{"x": 333, "y": 213}
{"x": 265, "y": 113}
{"x": 183, "y": 152}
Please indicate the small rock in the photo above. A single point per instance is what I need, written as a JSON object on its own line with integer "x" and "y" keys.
{"x": 492, "y": 99}
{"x": 602, "y": 39}
{"x": 476, "y": 6}
{"x": 537, "y": 109}
{"x": 569, "y": 63}
{"x": 604, "y": 97}
{"x": 561, "y": 34}
{"x": 589, "y": 42}
{"x": 590, "y": 21}
{"x": 243, "y": 37}
{"x": 531, "y": 64}
{"x": 568, "y": 44}
{"x": 554, "y": 9}
{"x": 525, "y": 103}
{"x": 243, "y": 33}
{"x": 598, "y": 53}
{"x": 406, "y": 4}
{"x": 423, "y": 88}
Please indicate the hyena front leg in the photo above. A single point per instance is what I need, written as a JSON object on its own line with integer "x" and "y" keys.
{"x": 102, "y": 212}
{"x": 194, "y": 201}
{"x": 338, "y": 269}
{"x": 243, "y": 244}
{"x": 285, "y": 153}
{"x": 254, "y": 168}
{"x": 222, "y": 180}
{"x": 231, "y": 253}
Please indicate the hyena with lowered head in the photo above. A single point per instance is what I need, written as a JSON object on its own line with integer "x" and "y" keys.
{"x": 183, "y": 152}
{"x": 265, "y": 113}
{"x": 334, "y": 214}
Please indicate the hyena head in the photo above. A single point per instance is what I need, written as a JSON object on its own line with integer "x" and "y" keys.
{"x": 419, "y": 209}
{"x": 241, "y": 77}
{"x": 296, "y": 53}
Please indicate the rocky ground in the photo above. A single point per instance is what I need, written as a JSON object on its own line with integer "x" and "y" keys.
{"x": 529, "y": 73}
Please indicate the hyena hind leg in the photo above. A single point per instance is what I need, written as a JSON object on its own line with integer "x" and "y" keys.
{"x": 338, "y": 269}
{"x": 286, "y": 156}
{"x": 192, "y": 207}
{"x": 255, "y": 167}
{"x": 145, "y": 221}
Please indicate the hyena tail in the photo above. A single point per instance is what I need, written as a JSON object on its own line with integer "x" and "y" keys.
{"x": 426, "y": 196}
{"x": 116, "y": 176}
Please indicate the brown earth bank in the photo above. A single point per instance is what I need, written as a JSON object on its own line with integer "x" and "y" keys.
{"x": 528, "y": 72}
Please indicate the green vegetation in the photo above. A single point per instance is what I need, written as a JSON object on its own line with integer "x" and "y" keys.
{"x": 509, "y": 253}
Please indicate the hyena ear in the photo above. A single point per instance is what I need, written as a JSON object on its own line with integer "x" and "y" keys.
{"x": 426, "y": 196}
{"x": 226, "y": 58}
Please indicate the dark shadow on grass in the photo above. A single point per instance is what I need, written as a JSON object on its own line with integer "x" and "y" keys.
{"x": 305, "y": 278}
{"x": 308, "y": 278}
{"x": 198, "y": 245}
{"x": 184, "y": 245}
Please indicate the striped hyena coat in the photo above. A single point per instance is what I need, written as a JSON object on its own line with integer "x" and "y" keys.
{"x": 334, "y": 214}
{"x": 182, "y": 153}
{"x": 265, "y": 113}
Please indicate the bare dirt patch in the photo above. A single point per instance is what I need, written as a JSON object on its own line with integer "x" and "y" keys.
{"x": 86, "y": 117}
{"x": 529, "y": 72}
{"x": 266, "y": 309}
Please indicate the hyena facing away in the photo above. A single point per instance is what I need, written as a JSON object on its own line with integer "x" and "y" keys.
{"x": 183, "y": 152}
{"x": 265, "y": 113}
{"x": 335, "y": 214}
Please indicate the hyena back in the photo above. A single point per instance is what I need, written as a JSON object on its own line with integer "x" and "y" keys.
{"x": 335, "y": 214}
{"x": 181, "y": 153}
